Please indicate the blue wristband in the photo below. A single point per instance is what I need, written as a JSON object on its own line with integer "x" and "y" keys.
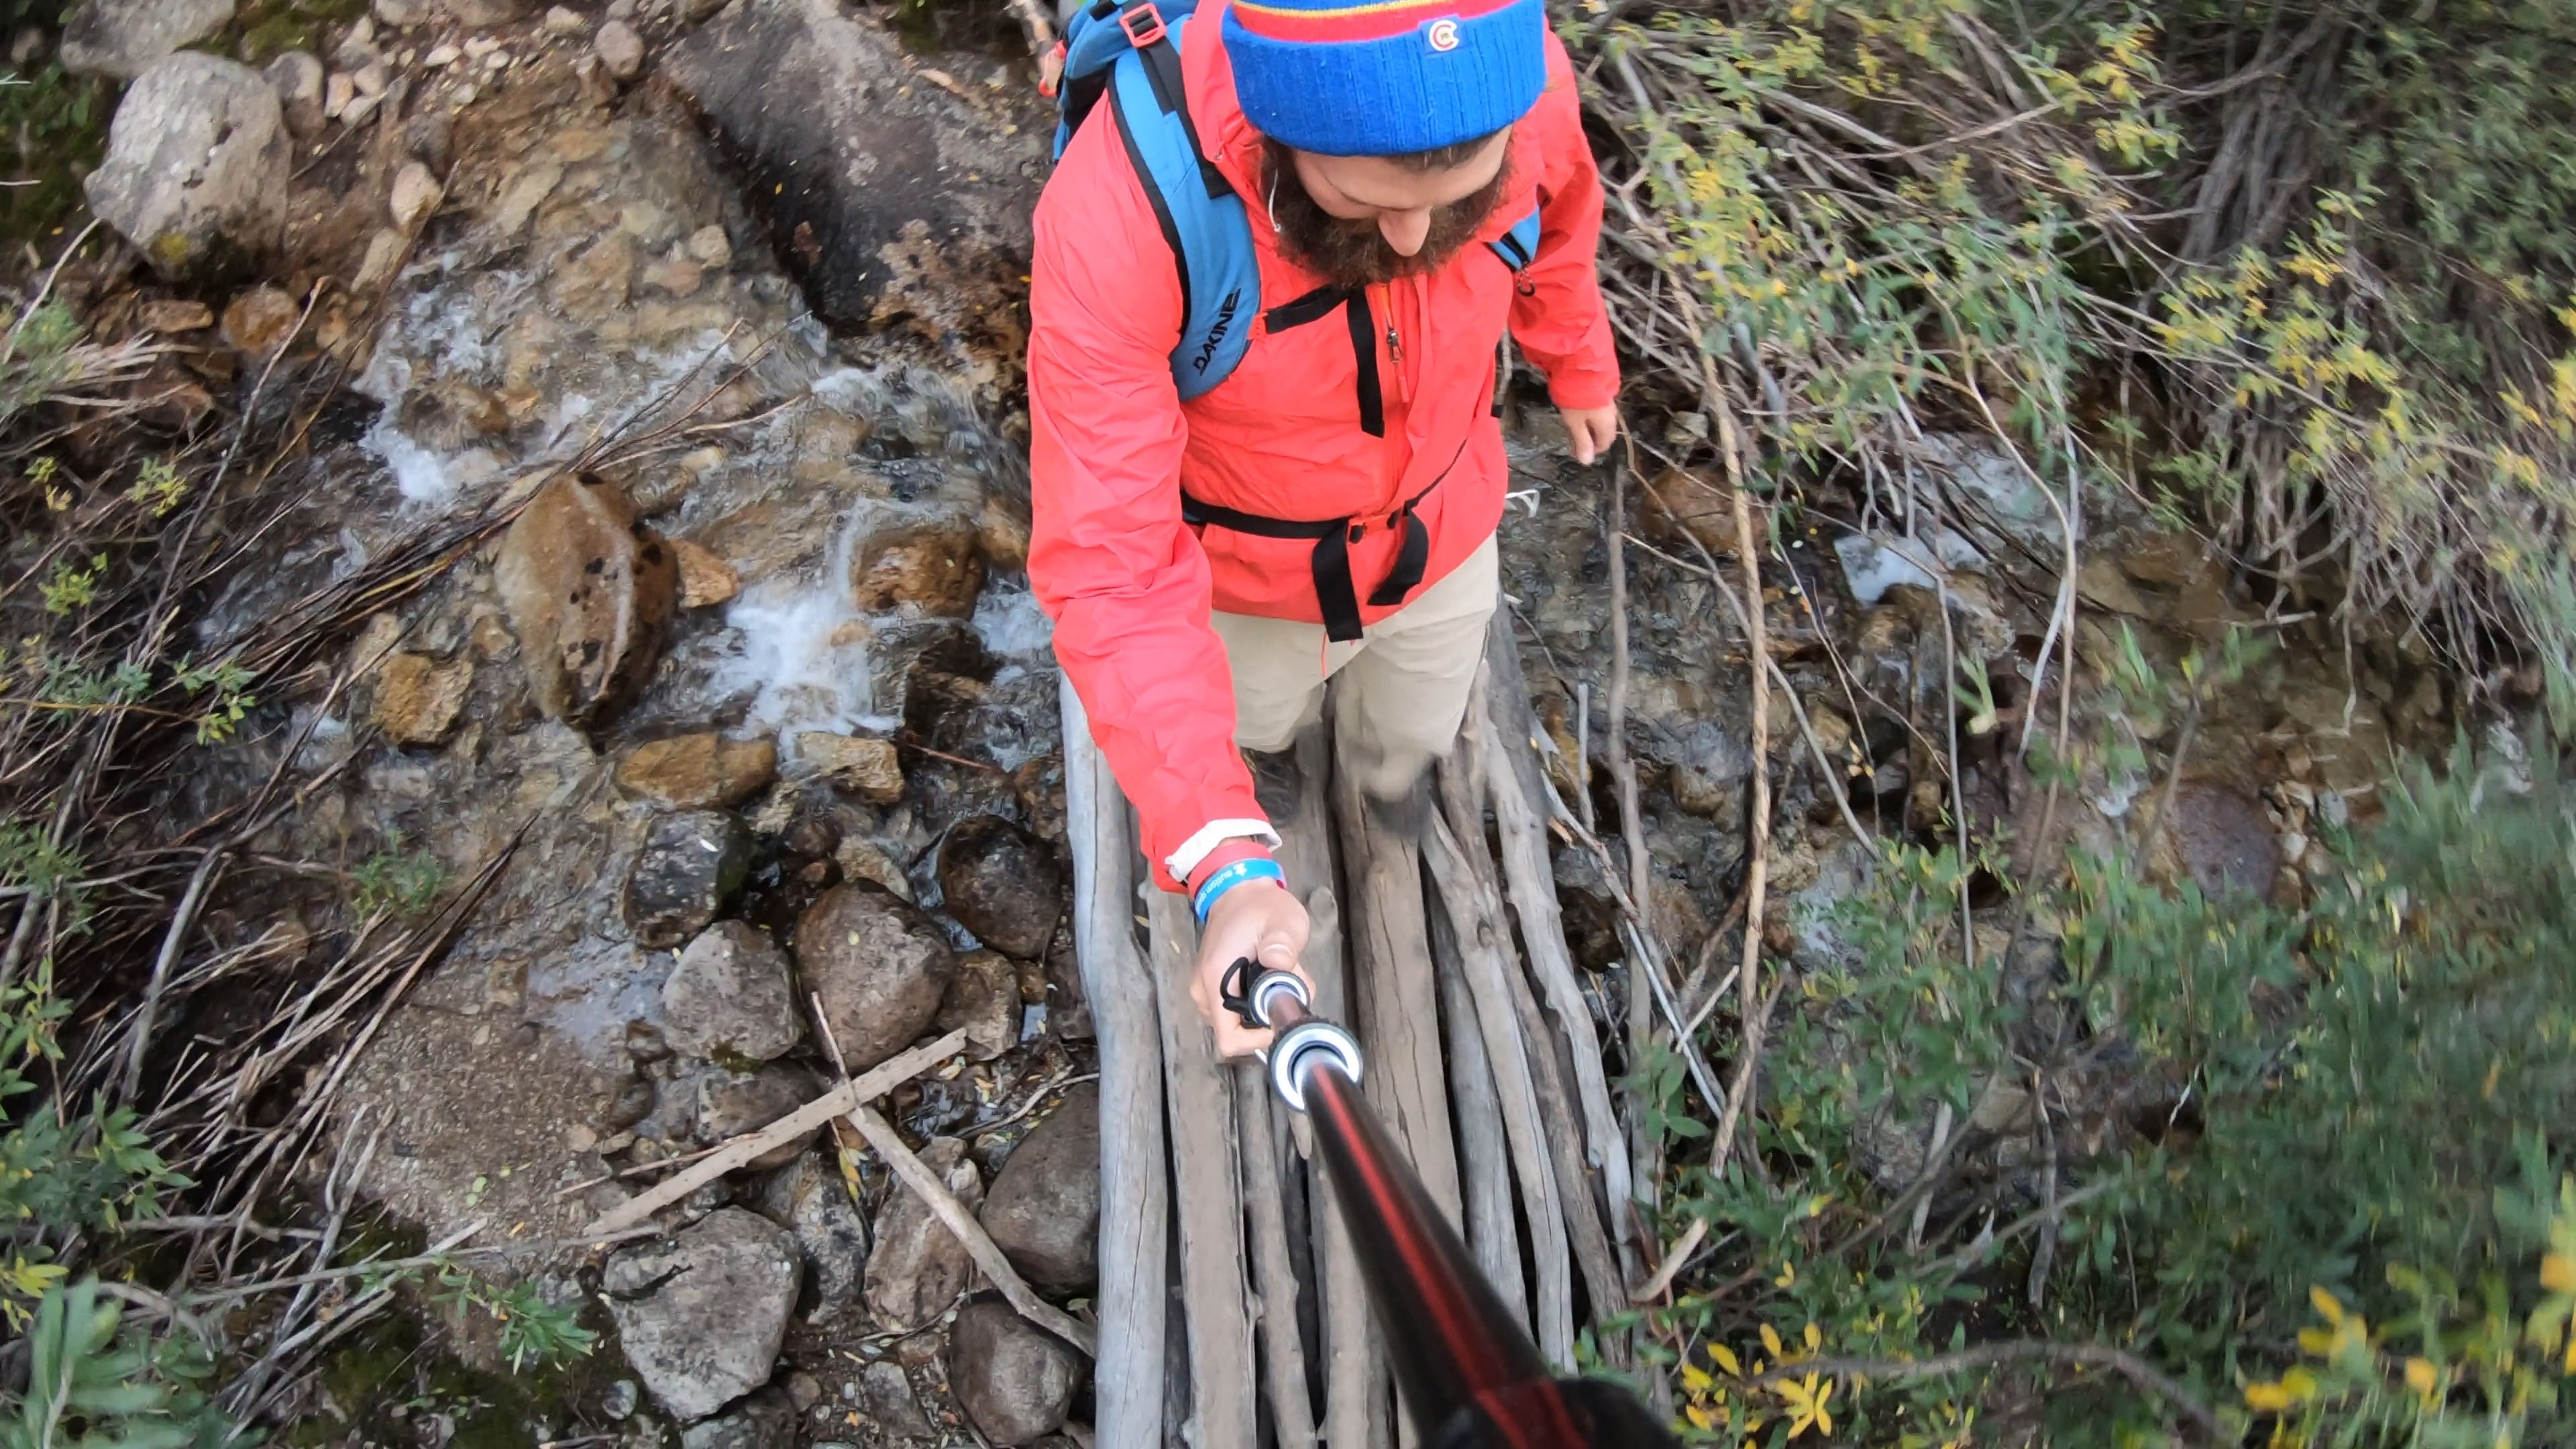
{"x": 1249, "y": 868}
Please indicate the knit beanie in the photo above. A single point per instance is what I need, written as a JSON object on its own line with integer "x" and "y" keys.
{"x": 1385, "y": 77}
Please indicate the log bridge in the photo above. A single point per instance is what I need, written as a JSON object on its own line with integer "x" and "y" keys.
{"x": 1231, "y": 1311}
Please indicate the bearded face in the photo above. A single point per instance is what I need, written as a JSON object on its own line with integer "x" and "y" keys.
{"x": 1353, "y": 252}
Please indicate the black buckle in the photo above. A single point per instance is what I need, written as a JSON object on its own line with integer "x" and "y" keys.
{"x": 1147, "y": 34}
{"x": 1234, "y": 990}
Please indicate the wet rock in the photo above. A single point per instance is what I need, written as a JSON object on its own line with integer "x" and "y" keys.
{"x": 984, "y": 999}
{"x": 930, "y": 560}
{"x": 418, "y": 698}
{"x": 890, "y": 1403}
{"x": 196, "y": 169}
{"x": 699, "y": 771}
{"x": 691, "y": 864}
{"x": 709, "y": 247}
{"x": 808, "y": 1198}
{"x": 122, "y": 38}
{"x": 590, "y": 592}
{"x": 732, "y": 1103}
{"x": 620, "y": 49}
{"x": 869, "y": 769}
{"x": 415, "y": 195}
{"x": 866, "y": 860}
{"x": 298, "y": 78}
{"x": 702, "y": 1313}
{"x": 766, "y": 1420}
{"x": 731, "y": 994}
{"x": 705, "y": 579}
{"x": 1044, "y": 1209}
{"x": 1003, "y": 884}
{"x": 849, "y": 150}
{"x": 1014, "y": 1379}
{"x": 919, "y": 1267}
{"x": 259, "y": 321}
{"x": 484, "y": 14}
{"x": 880, "y": 966}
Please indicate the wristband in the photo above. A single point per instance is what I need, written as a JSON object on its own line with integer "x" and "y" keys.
{"x": 1226, "y": 879}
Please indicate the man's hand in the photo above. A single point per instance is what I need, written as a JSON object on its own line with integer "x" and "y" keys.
{"x": 1589, "y": 431}
{"x": 1259, "y": 919}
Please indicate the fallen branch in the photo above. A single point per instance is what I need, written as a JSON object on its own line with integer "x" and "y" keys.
{"x": 740, "y": 1150}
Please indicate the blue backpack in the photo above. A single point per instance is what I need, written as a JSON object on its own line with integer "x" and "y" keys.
{"x": 1130, "y": 52}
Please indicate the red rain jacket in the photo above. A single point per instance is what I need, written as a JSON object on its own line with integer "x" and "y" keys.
{"x": 1128, "y": 584}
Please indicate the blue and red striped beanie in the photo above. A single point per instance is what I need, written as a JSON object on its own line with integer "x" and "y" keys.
{"x": 1385, "y": 77}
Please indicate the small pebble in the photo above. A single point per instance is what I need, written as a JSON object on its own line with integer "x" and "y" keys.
{"x": 337, "y": 92}
{"x": 441, "y": 56}
{"x": 620, "y": 49}
{"x": 480, "y": 46}
{"x": 560, "y": 21}
{"x": 497, "y": 60}
{"x": 373, "y": 77}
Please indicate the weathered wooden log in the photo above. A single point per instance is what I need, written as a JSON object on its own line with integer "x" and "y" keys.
{"x": 1484, "y": 1156}
{"x": 1508, "y": 727}
{"x": 1134, "y": 1205}
{"x": 1208, "y": 1181}
{"x": 1274, "y": 1277}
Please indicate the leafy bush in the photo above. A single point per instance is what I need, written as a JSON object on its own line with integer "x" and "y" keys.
{"x": 2311, "y": 1122}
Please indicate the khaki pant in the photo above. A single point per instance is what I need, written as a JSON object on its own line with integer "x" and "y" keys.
{"x": 1403, "y": 689}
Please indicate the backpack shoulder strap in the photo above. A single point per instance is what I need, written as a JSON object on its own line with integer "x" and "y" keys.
{"x": 1202, "y": 219}
{"x": 1519, "y": 246}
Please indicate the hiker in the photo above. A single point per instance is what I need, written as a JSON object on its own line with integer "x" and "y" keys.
{"x": 1268, "y": 302}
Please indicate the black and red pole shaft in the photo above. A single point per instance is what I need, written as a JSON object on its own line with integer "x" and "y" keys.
{"x": 1468, "y": 1373}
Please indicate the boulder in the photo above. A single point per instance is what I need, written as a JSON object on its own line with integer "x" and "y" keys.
{"x": 701, "y": 1314}
{"x": 766, "y": 1420}
{"x": 698, "y": 771}
{"x": 590, "y": 592}
{"x": 931, "y": 560}
{"x": 691, "y": 864}
{"x": 808, "y": 1198}
{"x": 880, "y": 966}
{"x": 1044, "y": 1209}
{"x": 620, "y": 49}
{"x": 298, "y": 78}
{"x": 196, "y": 170}
{"x": 1013, "y": 1378}
{"x": 418, "y": 698}
{"x": 731, "y": 1103}
{"x": 847, "y": 152}
{"x": 869, "y": 769}
{"x": 919, "y": 1267}
{"x": 122, "y": 38}
{"x": 731, "y": 994}
{"x": 1003, "y": 884}
{"x": 983, "y": 998}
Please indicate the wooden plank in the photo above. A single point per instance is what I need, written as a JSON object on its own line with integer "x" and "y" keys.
{"x": 1208, "y": 1187}
{"x": 1283, "y": 1354}
{"x": 1484, "y": 1157}
{"x": 1508, "y": 728}
{"x": 1127, "y": 1373}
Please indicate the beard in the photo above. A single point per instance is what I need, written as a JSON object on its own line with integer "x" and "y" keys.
{"x": 1354, "y": 254}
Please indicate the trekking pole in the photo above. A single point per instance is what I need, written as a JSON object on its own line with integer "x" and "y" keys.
{"x": 1467, "y": 1371}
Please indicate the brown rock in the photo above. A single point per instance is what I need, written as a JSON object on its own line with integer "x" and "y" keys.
{"x": 259, "y": 321}
{"x": 705, "y": 579}
{"x": 418, "y": 698}
{"x": 866, "y": 860}
{"x": 1044, "y": 1209}
{"x": 918, "y": 1267}
{"x": 678, "y": 276}
{"x": 1686, "y": 510}
{"x": 1001, "y": 883}
{"x": 699, "y": 771}
{"x": 932, "y": 561}
{"x": 984, "y": 999}
{"x": 416, "y": 193}
{"x": 880, "y": 966}
{"x": 590, "y": 592}
{"x": 173, "y": 314}
{"x": 869, "y": 769}
{"x": 1013, "y": 1378}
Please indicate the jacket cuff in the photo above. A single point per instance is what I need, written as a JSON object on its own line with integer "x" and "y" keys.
{"x": 1226, "y": 853}
{"x": 1183, "y": 863}
{"x": 1580, "y": 390}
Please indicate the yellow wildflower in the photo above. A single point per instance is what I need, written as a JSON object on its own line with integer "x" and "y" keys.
{"x": 2558, "y": 1273}
{"x": 1806, "y": 1403}
{"x": 2267, "y": 1398}
{"x": 2423, "y": 1378}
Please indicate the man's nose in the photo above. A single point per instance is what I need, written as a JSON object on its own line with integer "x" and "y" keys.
{"x": 1405, "y": 230}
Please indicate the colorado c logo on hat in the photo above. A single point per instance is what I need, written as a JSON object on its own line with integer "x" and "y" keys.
{"x": 1444, "y": 34}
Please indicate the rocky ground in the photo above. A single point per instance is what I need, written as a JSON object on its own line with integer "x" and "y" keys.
{"x": 711, "y": 312}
